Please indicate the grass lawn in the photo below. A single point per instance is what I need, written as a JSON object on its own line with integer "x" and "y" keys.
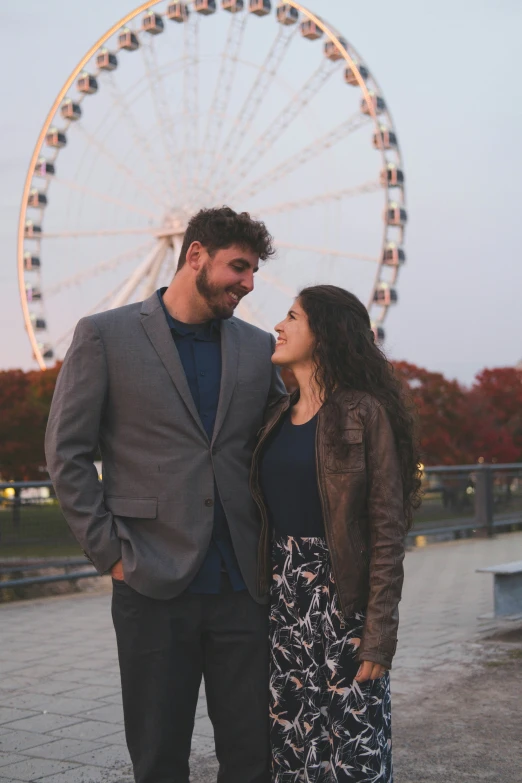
{"x": 40, "y": 532}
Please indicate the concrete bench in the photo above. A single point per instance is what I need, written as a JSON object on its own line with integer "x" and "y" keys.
{"x": 507, "y": 588}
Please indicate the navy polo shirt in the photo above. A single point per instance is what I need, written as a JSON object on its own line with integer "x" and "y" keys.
{"x": 199, "y": 348}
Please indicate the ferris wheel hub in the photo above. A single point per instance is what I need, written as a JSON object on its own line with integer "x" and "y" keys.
{"x": 174, "y": 227}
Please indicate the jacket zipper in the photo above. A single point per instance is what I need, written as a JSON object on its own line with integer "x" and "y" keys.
{"x": 254, "y": 484}
{"x": 325, "y": 519}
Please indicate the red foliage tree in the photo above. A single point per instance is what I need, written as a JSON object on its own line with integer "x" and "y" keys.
{"x": 445, "y": 430}
{"x": 496, "y": 405}
{"x": 25, "y": 400}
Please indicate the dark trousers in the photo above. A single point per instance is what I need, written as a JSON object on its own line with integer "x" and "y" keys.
{"x": 164, "y": 649}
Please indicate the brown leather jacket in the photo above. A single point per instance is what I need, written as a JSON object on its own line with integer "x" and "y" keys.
{"x": 363, "y": 517}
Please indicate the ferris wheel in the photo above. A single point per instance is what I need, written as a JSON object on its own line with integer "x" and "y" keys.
{"x": 183, "y": 105}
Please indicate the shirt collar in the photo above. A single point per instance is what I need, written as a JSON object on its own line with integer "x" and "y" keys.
{"x": 205, "y": 331}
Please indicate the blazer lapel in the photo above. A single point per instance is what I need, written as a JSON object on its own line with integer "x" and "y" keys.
{"x": 155, "y": 324}
{"x": 229, "y": 359}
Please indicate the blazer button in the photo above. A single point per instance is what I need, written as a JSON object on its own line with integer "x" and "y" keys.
{"x": 209, "y": 502}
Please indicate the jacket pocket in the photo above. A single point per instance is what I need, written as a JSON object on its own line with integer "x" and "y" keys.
{"x": 139, "y": 508}
{"x": 353, "y": 461}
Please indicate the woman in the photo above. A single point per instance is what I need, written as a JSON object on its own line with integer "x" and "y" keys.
{"x": 335, "y": 474}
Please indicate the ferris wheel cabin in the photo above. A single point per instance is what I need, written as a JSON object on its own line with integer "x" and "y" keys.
{"x": 87, "y": 84}
{"x": 378, "y": 333}
{"x": 31, "y": 263}
{"x": 44, "y": 168}
{"x": 351, "y": 78}
{"x": 233, "y": 6}
{"x": 385, "y": 295}
{"x": 36, "y": 199}
{"x": 384, "y": 139}
{"x": 152, "y": 23}
{"x": 32, "y": 230}
{"x": 260, "y": 7}
{"x": 46, "y": 350}
{"x": 392, "y": 176}
{"x": 33, "y": 293}
{"x": 178, "y": 12}
{"x": 71, "y": 110}
{"x": 331, "y": 52}
{"x": 310, "y": 30}
{"x": 106, "y": 61}
{"x": 55, "y": 138}
{"x": 396, "y": 215}
{"x": 376, "y": 103}
{"x": 39, "y": 323}
{"x": 128, "y": 40}
{"x": 205, "y": 7}
{"x": 287, "y": 14}
{"x": 393, "y": 255}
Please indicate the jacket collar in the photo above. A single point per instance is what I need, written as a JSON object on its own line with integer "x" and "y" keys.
{"x": 348, "y": 399}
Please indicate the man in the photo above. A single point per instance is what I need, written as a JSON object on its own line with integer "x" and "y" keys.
{"x": 173, "y": 391}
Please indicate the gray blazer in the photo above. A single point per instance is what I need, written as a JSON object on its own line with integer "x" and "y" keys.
{"x": 122, "y": 387}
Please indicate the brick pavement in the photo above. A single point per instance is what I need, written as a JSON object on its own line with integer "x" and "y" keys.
{"x": 60, "y": 703}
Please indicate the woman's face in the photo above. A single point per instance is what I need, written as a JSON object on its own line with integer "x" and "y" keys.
{"x": 295, "y": 342}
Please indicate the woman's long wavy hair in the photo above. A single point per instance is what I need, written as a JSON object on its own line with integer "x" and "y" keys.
{"x": 347, "y": 357}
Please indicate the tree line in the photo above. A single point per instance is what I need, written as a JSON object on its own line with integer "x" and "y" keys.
{"x": 457, "y": 424}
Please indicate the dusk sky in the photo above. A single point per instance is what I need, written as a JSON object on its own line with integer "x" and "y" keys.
{"x": 450, "y": 72}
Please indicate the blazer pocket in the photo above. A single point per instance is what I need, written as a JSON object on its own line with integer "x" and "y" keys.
{"x": 140, "y": 508}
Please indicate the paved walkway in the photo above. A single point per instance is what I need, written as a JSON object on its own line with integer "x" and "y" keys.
{"x": 60, "y": 703}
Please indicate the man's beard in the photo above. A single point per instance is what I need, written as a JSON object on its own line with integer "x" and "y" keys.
{"x": 213, "y": 295}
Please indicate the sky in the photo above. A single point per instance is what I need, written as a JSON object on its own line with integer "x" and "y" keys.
{"x": 451, "y": 76}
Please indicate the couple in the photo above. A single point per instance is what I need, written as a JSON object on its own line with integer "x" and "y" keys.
{"x": 255, "y": 539}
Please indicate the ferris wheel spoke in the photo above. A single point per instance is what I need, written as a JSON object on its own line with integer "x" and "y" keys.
{"x": 104, "y": 232}
{"x": 104, "y": 197}
{"x": 98, "y": 307}
{"x": 321, "y": 198}
{"x": 120, "y": 166}
{"x": 139, "y": 136}
{"x": 166, "y": 272}
{"x": 248, "y": 112}
{"x": 275, "y": 283}
{"x": 287, "y": 116}
{"x": 249, "y": 314}
{"x": 323, "y": 251}
{"x": 223, "y": 90}
{"x": 161, "y": 109}
{"x": 151, "y": 279}
{"x": 143, "y": 270}
{"x": 104, "y": 266}
{"x": 190, "y": 103}
{"x": 306, "y": 154}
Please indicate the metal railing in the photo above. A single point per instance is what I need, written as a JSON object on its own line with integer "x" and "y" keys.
{"x": 466, "y": 500}
{"x": 36, "y": 544}
{"x": 459, "y": 501}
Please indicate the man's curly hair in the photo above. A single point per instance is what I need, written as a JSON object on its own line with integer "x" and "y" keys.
{"x": 221, "y": 227}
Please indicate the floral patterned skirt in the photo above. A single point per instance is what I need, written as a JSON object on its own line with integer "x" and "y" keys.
{"x": 325, "y": 727}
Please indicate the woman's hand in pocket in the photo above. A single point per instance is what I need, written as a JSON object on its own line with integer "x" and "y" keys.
{"x": 368, "y": 670}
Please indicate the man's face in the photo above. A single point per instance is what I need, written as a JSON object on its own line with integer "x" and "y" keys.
{"x": 225, "y": 278}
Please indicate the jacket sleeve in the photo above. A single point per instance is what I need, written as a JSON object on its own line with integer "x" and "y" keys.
{"x": 277, "y": 387}
{"x": 71, "y": 441}
{"x": 387, "y": 536}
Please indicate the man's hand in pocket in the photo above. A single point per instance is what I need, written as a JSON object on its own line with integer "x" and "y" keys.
{"x": 117, "y": 571}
